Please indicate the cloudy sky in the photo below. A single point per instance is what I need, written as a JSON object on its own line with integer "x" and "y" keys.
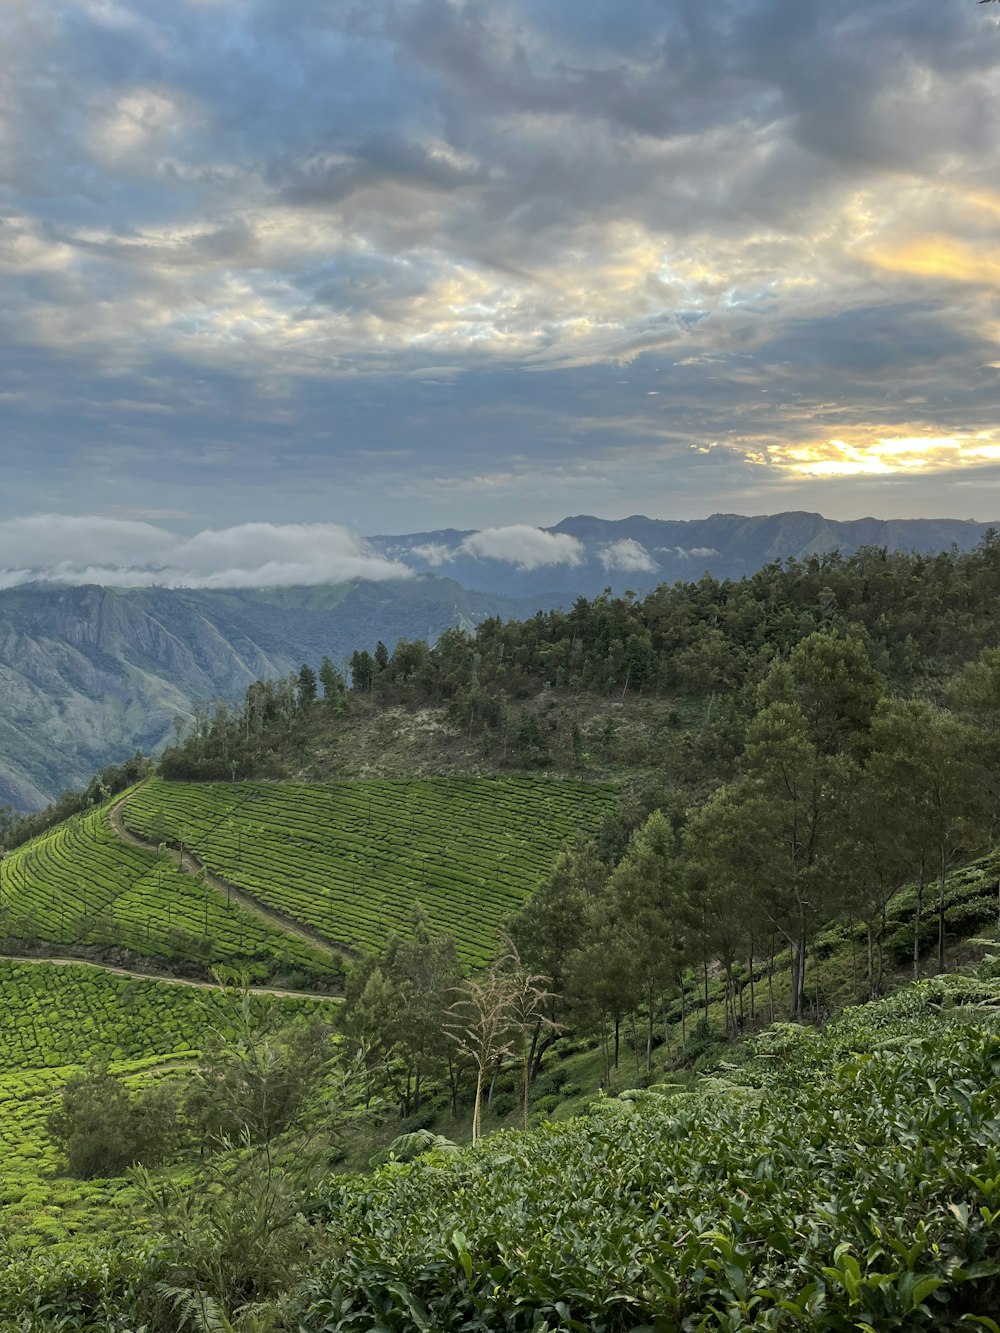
{"x": 406, "y": 264}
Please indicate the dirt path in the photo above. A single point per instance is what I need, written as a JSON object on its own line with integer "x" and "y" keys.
{"x": 162, "y": 977}
{"x": 188, "y": 862}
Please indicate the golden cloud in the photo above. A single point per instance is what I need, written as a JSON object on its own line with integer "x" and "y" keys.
{"x": 871, "y": 454}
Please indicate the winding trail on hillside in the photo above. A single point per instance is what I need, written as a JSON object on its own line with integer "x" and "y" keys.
{"x": 164, "y": 978}
{"x": 187, "y": 861}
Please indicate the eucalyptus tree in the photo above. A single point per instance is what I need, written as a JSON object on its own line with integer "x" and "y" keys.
{"x": 771, "y": 832}
{"x": 974, "y": 695}
{"x": 395, "y": 1007}
{"x": 643, "y": 909}
{"x": 922, "y": 764}
{"x": 557, "y": 920}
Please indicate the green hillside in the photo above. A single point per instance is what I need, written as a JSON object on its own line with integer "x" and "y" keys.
{"x": 57, "y": 1018}
{"x": 353, "y": 859}
{"x": 79, "y": 884}
{"x": 844, "y": 1180}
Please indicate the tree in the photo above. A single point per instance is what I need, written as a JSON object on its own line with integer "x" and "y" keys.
{"x": 774, "y": 828}
{"x": 643, "y": 908}
{"x": 922, "y": 763}
{"x": 103, "y": 1128}
{"x": 556, "y": 921}
{"x": 334, "y": 689}
{"x": 481, "y": 1024}
{"x": 306, "y": 685}
{"x": 362, "y": 672}
{"x": 974, "y": 694}
{"x": 255, "y": 1079}
{"x": 833, "y": 683}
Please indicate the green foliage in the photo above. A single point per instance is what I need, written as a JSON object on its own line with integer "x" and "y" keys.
{"x": 408, "y": 1147}
{"x": 850, "y": 1180}
{"x": 103, "y": 1127}
{"x": 256, "y": 1076}
{"x": 59, "y": 1019}
{"x": 80, "y": 884}
{"x": 353, "y": 859}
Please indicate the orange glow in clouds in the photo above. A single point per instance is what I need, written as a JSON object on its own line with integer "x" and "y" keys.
{"x": 886, "y": 455}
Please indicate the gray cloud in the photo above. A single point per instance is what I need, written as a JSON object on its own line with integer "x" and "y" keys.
{"x": 424, "y": 261}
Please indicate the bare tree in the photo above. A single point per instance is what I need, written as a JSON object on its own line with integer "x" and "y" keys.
{"x": 481, "y": 1025}
{"x": 498, "y": 1014}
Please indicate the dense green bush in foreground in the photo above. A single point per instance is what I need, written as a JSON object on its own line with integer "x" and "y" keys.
{"x": 830, "y": 1182}
{"x": 843, "y": 1180}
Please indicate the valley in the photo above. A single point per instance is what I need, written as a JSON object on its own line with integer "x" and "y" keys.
{"x": 551, "y": 927}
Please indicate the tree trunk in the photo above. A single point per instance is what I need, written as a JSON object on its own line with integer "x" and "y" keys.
{"x": 529, "y": 1067}
{"x": 477, "y": 1110}
{"x": 547, "y": 1041}
{"x": 940, "y": 948}
{"x": 617, "y": 1038}
{"x": 453, "y": 1085}
{"x": 871, "y": 960}
{"x": 916, "y": 925}
{"x": 854, "y": 959}
{"x": 799, "y": 975}
{"x": 526, "y": 1072}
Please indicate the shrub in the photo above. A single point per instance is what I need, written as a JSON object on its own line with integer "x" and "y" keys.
{"x": 503, "y": 1104}
{"x": 103, "y": 1128}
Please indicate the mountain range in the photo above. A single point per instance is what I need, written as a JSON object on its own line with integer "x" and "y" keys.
{"x": 583, "y": 555}
{"x": 90, "y": 674}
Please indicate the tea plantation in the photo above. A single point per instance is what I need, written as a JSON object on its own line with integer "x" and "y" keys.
{"x": 839, "y": 1180}
{"x": 56, "y": 1019}
{"x": 80, "y": 883}
{"x": 352, "y": 859}
{"x": 849, "y": 1180}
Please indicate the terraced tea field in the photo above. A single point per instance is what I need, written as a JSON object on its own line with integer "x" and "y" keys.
{"x": 56, "y": 1018}
{"x": 80, "y": 884}
{"x": 351, "y": 859}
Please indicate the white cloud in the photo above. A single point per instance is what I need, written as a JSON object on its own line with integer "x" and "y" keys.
{"x": 120, "y": 553}
{"x": 684, "y": 554}
{"x": 435, "y": 553}
{"x": 524, "y": 546}
{"x": 628, "y": 555}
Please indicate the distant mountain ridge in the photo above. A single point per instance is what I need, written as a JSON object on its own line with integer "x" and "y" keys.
{"x": 89, "y": 674}
{"x": 639, "y": 552}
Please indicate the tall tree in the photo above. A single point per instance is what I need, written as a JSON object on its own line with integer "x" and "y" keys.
{"x": 643, "y": 908}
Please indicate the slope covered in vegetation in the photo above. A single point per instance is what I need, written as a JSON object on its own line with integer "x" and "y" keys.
{"x": 80, "y": 885}
{"x": 354, "y": 859}
{"x": 59, "y": 1020}
{"x": 848, "y": 1179}
{"x": 838, "y": 1179}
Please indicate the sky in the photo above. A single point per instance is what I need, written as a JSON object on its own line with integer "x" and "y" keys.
{"x": 398, "y": 265}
